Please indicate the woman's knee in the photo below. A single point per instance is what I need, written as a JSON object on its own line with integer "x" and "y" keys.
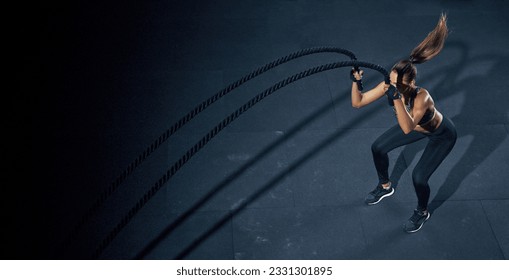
{"x": 378, "y": 148}
{"x": 419, "y": 179}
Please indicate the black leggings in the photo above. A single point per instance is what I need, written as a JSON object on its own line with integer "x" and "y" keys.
{"x": 440, "y": 143}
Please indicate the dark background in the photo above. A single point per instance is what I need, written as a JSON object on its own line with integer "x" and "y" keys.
{"x": 114, "y": 75}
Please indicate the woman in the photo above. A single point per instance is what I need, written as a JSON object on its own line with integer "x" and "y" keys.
{"x": 417, "y": 119}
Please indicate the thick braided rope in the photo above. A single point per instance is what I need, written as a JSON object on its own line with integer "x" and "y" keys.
{"x": 189, "y": 116}
{"x": 212, "y": 133}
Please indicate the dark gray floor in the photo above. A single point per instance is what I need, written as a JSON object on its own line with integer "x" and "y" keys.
{"x": 287, "y": 179}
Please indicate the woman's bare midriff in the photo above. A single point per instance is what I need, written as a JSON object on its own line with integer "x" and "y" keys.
{"x": 432, "y": 125}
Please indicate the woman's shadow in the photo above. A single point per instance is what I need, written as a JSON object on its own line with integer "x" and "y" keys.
{"x": 482, "y": 105}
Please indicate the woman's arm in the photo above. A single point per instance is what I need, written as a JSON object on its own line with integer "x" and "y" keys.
{"x": 358, "y": 99}
{"x": 421, "y": 104}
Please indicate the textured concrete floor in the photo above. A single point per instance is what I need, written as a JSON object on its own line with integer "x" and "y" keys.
{"x": 287, "y": 179}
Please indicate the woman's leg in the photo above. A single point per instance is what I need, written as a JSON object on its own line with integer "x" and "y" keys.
{"x": 438, "y": 147}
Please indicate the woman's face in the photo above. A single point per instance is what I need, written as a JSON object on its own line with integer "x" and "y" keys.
{"x": 404, "y": 85}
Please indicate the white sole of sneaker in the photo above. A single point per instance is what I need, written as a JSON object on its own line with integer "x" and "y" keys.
{"x": 416, "y": 230}
{"x": 382, "y": 197}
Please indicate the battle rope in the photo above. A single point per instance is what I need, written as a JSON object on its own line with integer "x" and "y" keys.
{"x": 218, "y": 128}
{"x": 189, "y": 116}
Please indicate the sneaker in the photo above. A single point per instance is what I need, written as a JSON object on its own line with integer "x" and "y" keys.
{"x": 378, "y": 194}
{"x": 416, "y": 221}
